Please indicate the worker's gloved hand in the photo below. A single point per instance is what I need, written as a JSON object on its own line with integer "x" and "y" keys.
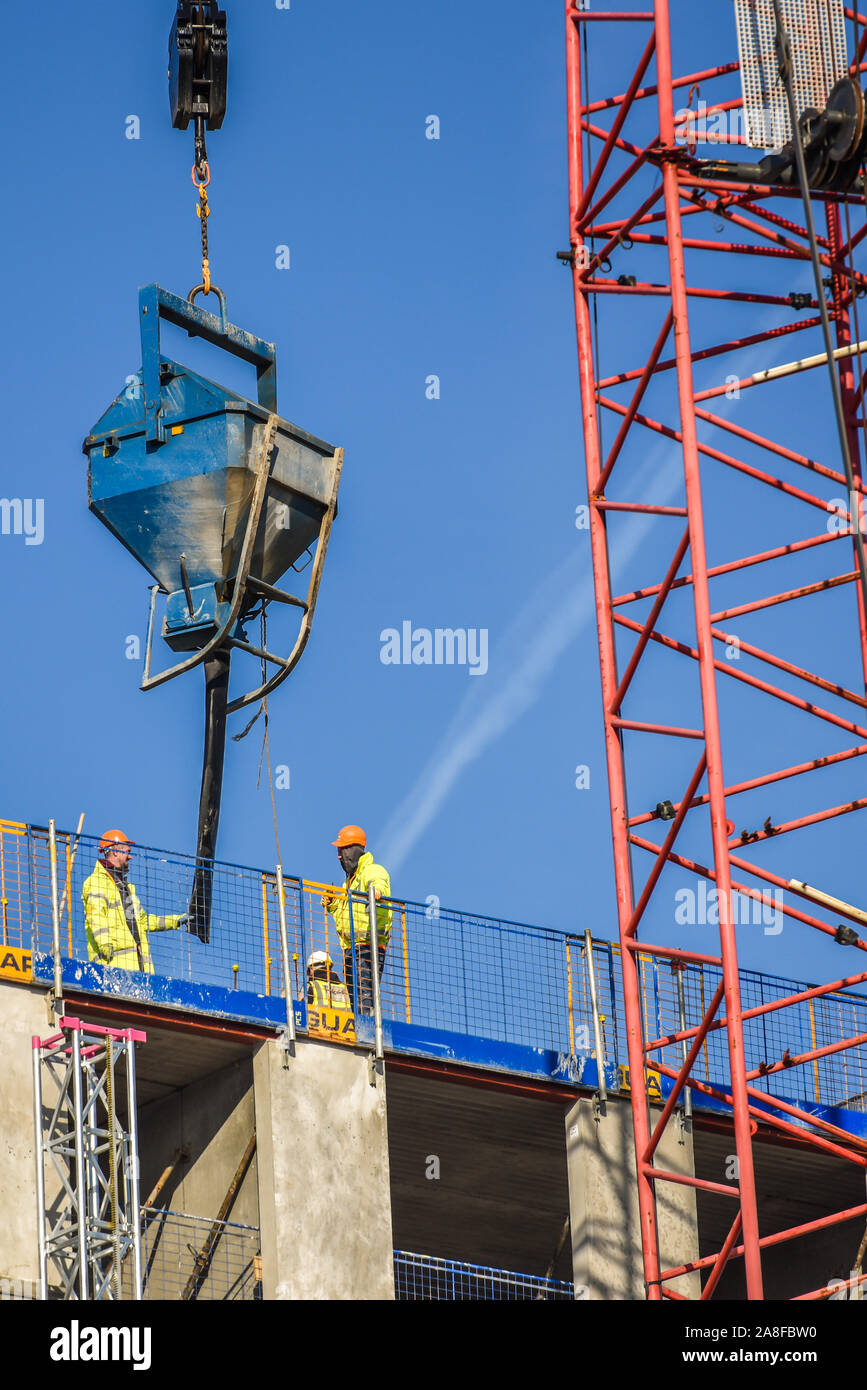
{"x": 183, "y": 920}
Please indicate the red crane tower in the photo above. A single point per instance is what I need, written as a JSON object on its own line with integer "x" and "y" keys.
{"x": 747, "y": 645}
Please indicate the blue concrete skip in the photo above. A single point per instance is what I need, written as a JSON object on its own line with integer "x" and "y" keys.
{"x": 517, "y": 1059}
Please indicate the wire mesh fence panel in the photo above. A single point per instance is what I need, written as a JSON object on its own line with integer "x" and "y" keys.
{"x": 36, "y": 888}
{"x": 319, "y": 936}
{"x": 781, "y": 1036}
{"x": 480, "y": 976}
{"x": 579, "y": 998}
{"x": 535, "y": 988}
{"x": 442, "y": 969}
{"x": 838, "y": 1078}
{"x": 233, "y": 943}
{"x": 429, "y": 1279}
{"x": 187, "y": 1258}
{"x": 270, "y": 928}
{"x": 442, "y": 994}
{"x": 452, "y": 971}
{"x": 775, "y": 1036}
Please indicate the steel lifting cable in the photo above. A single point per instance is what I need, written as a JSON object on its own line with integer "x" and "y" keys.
{"x": 266, "y": 745}
{"x": 784, "y": 66}
{"x": 859, "y": 357}
{"x": 860, "y": 419}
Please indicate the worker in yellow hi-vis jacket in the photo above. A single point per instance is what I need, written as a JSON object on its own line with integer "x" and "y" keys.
{"x": 325, "y": 989}
{"x": 352, "y": 918}
{"x": 117, "y": 925}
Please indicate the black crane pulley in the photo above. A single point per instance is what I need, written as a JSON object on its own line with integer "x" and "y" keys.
{"x": 198, "y": 70}
{"x": 834, "y": 142}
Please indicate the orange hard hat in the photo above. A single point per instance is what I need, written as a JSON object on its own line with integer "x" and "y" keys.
{"x": 113, "y": 839}
{"x": 350, "y": 835}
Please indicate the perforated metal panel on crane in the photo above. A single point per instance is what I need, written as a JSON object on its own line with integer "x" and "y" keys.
{"x": 817, "y": 33}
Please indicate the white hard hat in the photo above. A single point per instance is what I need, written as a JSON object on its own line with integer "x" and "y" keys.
{"x": 318, "y": 958}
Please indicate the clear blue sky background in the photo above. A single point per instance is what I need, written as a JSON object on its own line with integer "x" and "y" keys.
{"x": 408, "y": 257}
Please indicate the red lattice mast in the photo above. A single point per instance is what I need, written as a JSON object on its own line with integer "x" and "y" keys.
{"x": 619, "y": 219}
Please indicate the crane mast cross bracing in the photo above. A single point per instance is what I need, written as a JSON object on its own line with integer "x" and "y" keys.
{"x": 727, "y": 466}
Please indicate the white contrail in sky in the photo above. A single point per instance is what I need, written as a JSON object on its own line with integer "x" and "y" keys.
{"x": 543, "y": 630}
{"x": 554, "y": 616}
{"x": 549, "y": 622}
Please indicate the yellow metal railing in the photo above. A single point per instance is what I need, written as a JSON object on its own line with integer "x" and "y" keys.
{"x": 68, "y": 892}
{"x": 569, "y": 998}
{"x": 319, "y": 929}
{"x": 447, "y": 971}
{"x": 265, "y": 933}
{"x": 12, "y": 833}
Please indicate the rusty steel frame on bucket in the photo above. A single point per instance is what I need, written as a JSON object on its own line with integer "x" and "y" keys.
{"x": 596, "y": 235}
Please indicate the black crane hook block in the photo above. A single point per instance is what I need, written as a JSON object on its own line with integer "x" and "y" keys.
{"x": 198, "y": 65}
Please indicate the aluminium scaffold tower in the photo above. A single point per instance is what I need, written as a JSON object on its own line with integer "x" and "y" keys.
{"x": 89, "y": 1217}
{"x": 742, "y": 633}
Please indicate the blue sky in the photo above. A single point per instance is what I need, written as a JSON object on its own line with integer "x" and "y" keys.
{"x": 409, "y": 257}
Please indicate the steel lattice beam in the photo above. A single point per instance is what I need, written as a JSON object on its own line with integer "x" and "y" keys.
{"x": 92, "y": 1225}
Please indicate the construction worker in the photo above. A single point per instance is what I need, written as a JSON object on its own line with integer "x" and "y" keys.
{"x": 117, "y": 925}
{"x": 324, "y": 987}
{"x": 351, "y": 916}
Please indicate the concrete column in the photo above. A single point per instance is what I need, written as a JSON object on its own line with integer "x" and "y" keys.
{"x": 603, "y": 1204}
{"x": 324, "y": 1190}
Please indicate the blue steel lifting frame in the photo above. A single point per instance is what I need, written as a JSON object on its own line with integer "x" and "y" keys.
{"x": 155, "y": 303}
